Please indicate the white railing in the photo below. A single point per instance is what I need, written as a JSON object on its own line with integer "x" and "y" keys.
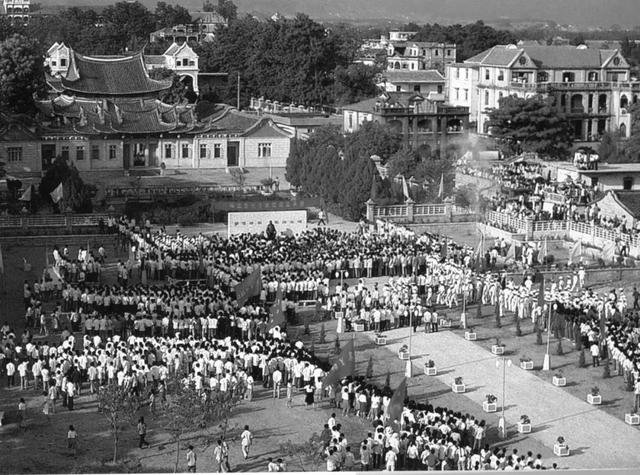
{"x": 52, "y": 221}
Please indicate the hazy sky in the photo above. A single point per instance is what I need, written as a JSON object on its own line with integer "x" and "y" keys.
{"x": 577, "y": 12}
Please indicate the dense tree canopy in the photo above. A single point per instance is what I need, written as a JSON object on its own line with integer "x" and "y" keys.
{"x": 291, "y": 60}
{"x": 471, "y": 39}
{"x": 76, "y": 194}
{"x": 531, "y": 125}
{"x": 170, "y": 15}
{"x": 21, "y": 74}
{"x": 632, "y": 146}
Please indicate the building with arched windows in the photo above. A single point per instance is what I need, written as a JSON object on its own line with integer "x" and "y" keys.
{"x": 17, "y": 10}
{"x": 592, "y": 87}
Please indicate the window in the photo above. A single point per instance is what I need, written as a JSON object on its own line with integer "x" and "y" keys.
{"x": 185, "y": 150}
{"x": 168, "y": 150}
{"x": 500, "y": 75}
{"x": 53, "y": 63}
{"x": 448, "y": 52}
{"x": 14, "y": 154}
{"x": 487, "y": 74}
{"x": 63, "y": 62}
{"x": 500, "y": 95}
{"x": 217, "y": 149}
{"x": 466, "y": 74}
{"x": 416, "y": 88}
{"x": 64, "y": 153}
{"x": 457, "y": 73}
{"x": 466, "y": 94}
{"x": 439, "y": 88}
{"x": 627, "y": 183}
{"x": 457, "y": 93}
{"x": 80, "y": 152}
{"x": 203, "y": 150}
{"x": 264, "y": 150}
{"x": 437, "y": 53}
{"x": 95, "y": 152}
{"x": 543, "y": 76}
{"x": 398, "y": 89}
{"x": 113, "y": 152}
{"x": 486, "y": 98}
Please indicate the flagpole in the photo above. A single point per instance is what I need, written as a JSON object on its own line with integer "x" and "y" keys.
{"x": 546, "y": 365}
{"x": 408, "y": 369}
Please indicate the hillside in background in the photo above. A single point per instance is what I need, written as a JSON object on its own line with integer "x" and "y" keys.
{"x": 577, "y": 12}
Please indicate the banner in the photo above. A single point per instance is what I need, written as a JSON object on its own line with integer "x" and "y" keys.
{"x": 575, "y": 253}
{"x": 441, "y": 189}
{"x": 609, "y": 252}
{"x": 405, "y": 189}
{"x": 26, "y": 196}
{"x": 249, "y": 287}
{"x": 277, "y": 312}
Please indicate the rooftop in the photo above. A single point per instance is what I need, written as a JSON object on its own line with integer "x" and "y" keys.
{"x": 111, "y": 76}
{"x": 428, "y": 75}
{"x": 604, "y": 168}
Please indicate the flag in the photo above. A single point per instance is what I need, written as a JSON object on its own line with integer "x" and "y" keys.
{"x": 405, "y": 189}
{"x": 575, "y": 253}
{"x": 249, "y": 287}
{"x": 441, "y": 189}
{"x": 609, "y": 251}
{"x": 26, "y": 196}
{"x": 511, "y": 253}
{"x": 396, "y": 404}
{"x": 480, "y": 248}
{"x": 57, "y": 194}
{"x": 541, "y": 292}
{"x": 344, "y": 366}
{"x": 277, "y": 312}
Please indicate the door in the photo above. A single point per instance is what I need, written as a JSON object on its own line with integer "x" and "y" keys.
{"x": 153, "y": 151}
{"x": 48, "y": 154}
{"x": 233, "y": 151}
{"x": 126, "y": 156}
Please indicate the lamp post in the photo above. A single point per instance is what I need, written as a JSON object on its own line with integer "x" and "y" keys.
{"x": 546, "y": 365}
{"x": 409, "y": 370}
{"x": 502, "y": 426}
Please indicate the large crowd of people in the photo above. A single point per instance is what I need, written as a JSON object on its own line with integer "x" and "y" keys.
{"x": 141, "y": 331}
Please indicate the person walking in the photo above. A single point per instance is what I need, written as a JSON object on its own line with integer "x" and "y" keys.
{"x": 72, "y": 440}
{"x": 595, "y": 354}
{"x": 142, "y": 433}
{"x": 218, "y": 457}
{"x": 247, "y": 438}
{"x": 22, "y": 414}
{"x": 321, "y": 218}
{"x": 11, "y": 374}
{"x": 191, "y": 460}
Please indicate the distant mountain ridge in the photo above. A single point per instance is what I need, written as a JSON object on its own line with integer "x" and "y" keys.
{"x": 577, "y": 12}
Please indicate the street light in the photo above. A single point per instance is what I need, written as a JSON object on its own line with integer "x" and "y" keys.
{"x": 408, "y": 370}
{"x": 546, "y": 365}
{"x": 502, "y": 426}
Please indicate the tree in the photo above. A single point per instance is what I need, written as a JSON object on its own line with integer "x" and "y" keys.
{"x": 188, "y": 410}
{"x": 130, "y": 22}
{"x": 119, "y": 405}
{"x": 171, "y": 15}
{"x": 21, "y": 74}
{"x": 310, "y": 452}
{"x": 609, "y": 147}
{"x": 578, "y": 40}
{"x": 531, "y": 125}
{"x": 632, "y": 146}
{"x": 76, "y": 195}
{"x": 354, "y": 83}
{"x": 179, "y": 92}
{"x": 225, "y": 8}
{"x": 403, "y": 162}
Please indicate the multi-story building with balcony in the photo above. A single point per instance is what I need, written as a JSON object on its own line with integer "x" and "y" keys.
{"x": 17, "y": 10}
{"x": 419, "y": 55}
{"x": 592, "y": 87}
{"x": 420, "y": 120}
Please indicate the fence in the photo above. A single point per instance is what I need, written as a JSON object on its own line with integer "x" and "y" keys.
{"x": 150, "y": 192}
{"x": 51, "y": 221}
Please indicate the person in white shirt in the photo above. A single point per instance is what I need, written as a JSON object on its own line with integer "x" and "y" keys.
{"x": 246, "y": 439}
{"x": 276, "y": 377}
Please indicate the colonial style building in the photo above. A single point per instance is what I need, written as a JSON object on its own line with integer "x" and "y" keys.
{"x": 180, "y": 59}
{"x": 415, "y": 56}
{"x": 420, "y": 120}
{"x": 17, "y": 10}
{"x": 425, "y": 81}
{"x": 592, "y": 87}
{"x": 204, "y": 28}
{"x": 104, "y": 114}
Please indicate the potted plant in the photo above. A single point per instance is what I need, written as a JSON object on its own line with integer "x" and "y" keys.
{"x": 358, "y": 326}
{"x": 560, "y": 448}
{"x": 498, "y": 348}
{"x": 458, "y": 385}
{"x": 430, "y": 368}
{"x": 559, "y": 379}
{"x": 267, "y": 186}
{"x": 594, "y": 398}
{"x": 381, "y": 339}
{"x": 526, "y": 363}
{"x": 403, "y": 352}
{"x": 470, "y": 334}
{"x": 632, "y": 417}
{"x": 524, "y": 425}
{"x": 491, "y": 404}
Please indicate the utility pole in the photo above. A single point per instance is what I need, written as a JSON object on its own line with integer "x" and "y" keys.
{"x": 238, "y": 93}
